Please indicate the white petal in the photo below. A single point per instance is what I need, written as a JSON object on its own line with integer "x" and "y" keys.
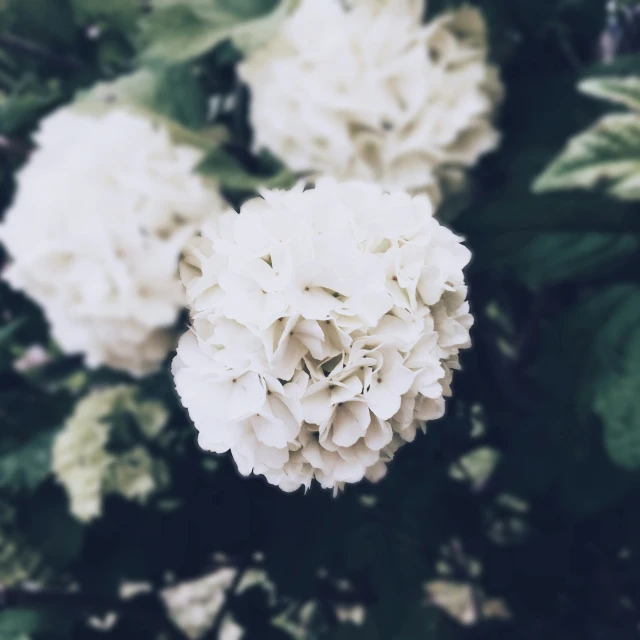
{"x": 246, "y": 394}
{"x": 350, "y": 423}
{"x": 379, "y": 434}
{"x": 383, "y": 402}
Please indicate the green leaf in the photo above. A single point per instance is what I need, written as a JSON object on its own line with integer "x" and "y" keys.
{"x": 15, "y": 623}
{"x": 46, "y": 21}
{"x": 173, "y": 97}
{"x": 21, "y": 621}
{"x": 27, "y": 466}
{"x": 180, "y": 30}
{"x": 232, "y": 175}
{"x": 622, "y": 65}
{"x": 220, "y": 10}
{"x": 616, "y": 389}
{"x": 251, "y": 35}
{"x": 26, "y": 101}
{"x": 550, "y": 238}
{"x": 7, "y": 332}
{"x": 48, "y": 525}
{"x": 599, "y": 341}
{"x": 26, "y": 410}
{"x": 560, "y": 446}
{"x": 617, "y": 405}
{"x": 177, "y": 34}
{"x": 554, "y": 258}
{"x": 606, "y": 157}
{"x": 625, "y": 91}
{"x": 123, "y": 14}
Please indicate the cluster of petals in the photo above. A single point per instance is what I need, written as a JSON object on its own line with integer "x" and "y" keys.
{"x": 380, "y": 96}
{"x": 85, "y": 467}
{"x": 102, "y": 210}
{"x": 325, "y": 327}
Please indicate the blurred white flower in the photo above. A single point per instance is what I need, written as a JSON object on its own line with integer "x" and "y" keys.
{"x": 476, "y": 467}
{"x": 465, "y": 602}
{"x": 194, "y": 605}
{"x": 380, "y": 97}
{"x": 102, "y": 210}
{"x": 325, "y": 326}
{"x": 86, "y": 468}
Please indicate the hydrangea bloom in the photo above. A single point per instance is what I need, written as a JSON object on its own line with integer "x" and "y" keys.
{"x": 325, "y": 327}
{"x": 88, "y": 470}
{"x": 102, "y": 210}
{"x": 380, "y": 97}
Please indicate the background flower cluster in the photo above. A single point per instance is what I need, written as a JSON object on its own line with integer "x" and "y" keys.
{"x": 129, "y": 126}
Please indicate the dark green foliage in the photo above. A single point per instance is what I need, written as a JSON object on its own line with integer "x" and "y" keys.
{"x": 16, "y": 624}
{"x": 231, "y": 175}
{"x": 552, "y": 383}
{"x": 26, "y": 466}
{"x": 180, "y": 30}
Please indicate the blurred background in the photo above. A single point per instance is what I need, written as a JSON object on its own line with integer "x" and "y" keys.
{"x": 516, "y": 515}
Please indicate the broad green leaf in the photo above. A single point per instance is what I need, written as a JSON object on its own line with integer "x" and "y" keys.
{"x": 7, "y": 332}
{"x": 15, "y": 622}
{"x": 213, "y": 10}
{"x": 605, "y": 157}
{"x": 559, "y": 446}
{"x": 599, "y": 343}
{"x": 148, "y": 90}
{"x": 14, "y": 305}
{"x": 616, "y": 388}
{"x": 28, "y": 465}
{"x": 178, "y": 34}
{"x": 181, "y": 30}
{"x": 45, "y": 21}
{"x": 553, "y": 258}
{"x": 252, "y": 35}
{"x": 623, "y": 65}
{"x": 507, "y": 220}
{"x": 616, "y": 402}
{"x": 229, "y": 173}
{"x": 625, "y": 91}
{"x": 21, "y": 622}
{"x": 26, "y": 101}
{"x": 171, "y": 96}
{"x": 121, "y": 13}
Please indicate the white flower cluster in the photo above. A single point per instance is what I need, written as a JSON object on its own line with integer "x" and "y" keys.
{"x": 326, "y": 324}
{"x": 88, "y": 471}
{"x": 380, "y": 96}
{"x": 194, "y": 605}
{"x": 102, "y": 211}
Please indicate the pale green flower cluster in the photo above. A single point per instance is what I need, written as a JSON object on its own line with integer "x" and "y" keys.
{"x": 84, "y": 464}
